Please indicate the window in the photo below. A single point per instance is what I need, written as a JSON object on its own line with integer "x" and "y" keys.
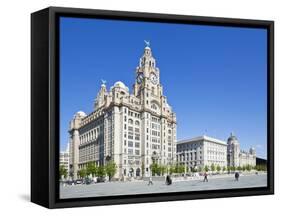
{"x": 137, "y": 137}
{"x": 137, "y": 144}
{"x": 130, "y": 143}
{"x": 153, "y": 106}
{"x": 137, "y": 152}
{"x": 137, "y": 123}
{"x": 130, "y": 121}
{"x": 130, "y": 151}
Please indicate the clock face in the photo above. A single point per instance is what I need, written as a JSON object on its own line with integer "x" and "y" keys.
{"x": 154, "y": 78}
{"x": 140, "y": 78}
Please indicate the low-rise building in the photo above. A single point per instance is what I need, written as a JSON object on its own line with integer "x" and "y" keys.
{"x": 202, "y": 151}
{"x": 64, "y": 159}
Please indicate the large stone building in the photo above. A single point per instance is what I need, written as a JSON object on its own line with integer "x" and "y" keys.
{"x": 132, "y": 129}
{"x": 202, "y": 151}
{"x": 237, "y": 157}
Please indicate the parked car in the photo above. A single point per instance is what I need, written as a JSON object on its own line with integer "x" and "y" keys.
{"x": 100, "y": 179}
{"x": 88, "y": 181}
{"x": 79, "y": 181}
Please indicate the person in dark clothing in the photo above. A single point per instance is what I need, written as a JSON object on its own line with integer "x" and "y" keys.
{"x": 168, "y": 180}
{"x": 205, "y": 177}
{"x": 236, "y": 176}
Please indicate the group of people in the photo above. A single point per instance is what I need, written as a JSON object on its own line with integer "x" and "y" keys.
{"x": 168, "y": 180}
{"x": 236, "y": 175}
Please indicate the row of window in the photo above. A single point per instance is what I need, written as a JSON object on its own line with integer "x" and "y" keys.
{"x": 137, "y": 162}
{"x": 131, "y": 151}
{"x": 130, "y": 113}
{"x": 131, "y": 144}
{"x": 90, "y": 135}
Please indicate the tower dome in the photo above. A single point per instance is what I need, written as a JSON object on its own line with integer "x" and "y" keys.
{"x": 232, "y": 138}
{"x": 80, "y": 114}
{"x": 120, "y": 84}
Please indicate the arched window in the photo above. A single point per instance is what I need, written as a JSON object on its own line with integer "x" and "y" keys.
{"x": 137, "y": 123}
{"x": 138, "y": 172}
{"x": 130, "y": 121}
{"x": 153, "y": 106}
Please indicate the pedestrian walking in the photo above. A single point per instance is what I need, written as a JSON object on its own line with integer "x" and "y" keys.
{"x": 205, "y": 177}
{"x": 168, "y": 180}
{"x": 150, "y": 181}
{"x": 236, "y": 176}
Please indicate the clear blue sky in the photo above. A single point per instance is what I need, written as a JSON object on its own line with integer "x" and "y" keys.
{"x": 213, "y": 77}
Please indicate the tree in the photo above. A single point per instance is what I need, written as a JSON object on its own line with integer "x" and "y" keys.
{"x": 206, "y": 168}
{"x": 228, "y": 169}
{"x": 224, "y": 169}
{"x": 200, "y": 169}
{"x": 158, "y": 170}
{"x": 92, "y": 169}
{"x": 82, "y": 173}
{"x": 193, "y": 169}
{"x": 172, "y": 169}
{"x": 162, "y": 169}
{"x": 101, "y": 171}
{"x": 218, "y": 168}
{"x": 248, "y": 167}
{"x": 63, "y": 172}
{"x": 213, "y": 167}
{"x": 187, "y": 169}
{"x": 153, "y": 168}
{"x": 180, "y": 169}
{"x": 110, "y": 169}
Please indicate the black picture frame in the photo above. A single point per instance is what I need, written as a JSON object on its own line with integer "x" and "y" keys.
{"x": 45, "y": 107}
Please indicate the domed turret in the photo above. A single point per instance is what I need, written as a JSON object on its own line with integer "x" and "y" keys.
{"x": 252, "y": 151}
{"x": 232, "y": 138}
{"x": 121, "y": 85}
{"x": 80, "y": 114}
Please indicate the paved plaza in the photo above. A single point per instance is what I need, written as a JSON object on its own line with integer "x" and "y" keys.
{"x": 141, "y": 187}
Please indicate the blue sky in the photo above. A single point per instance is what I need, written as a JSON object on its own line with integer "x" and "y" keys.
{"x": 213, "y": 77}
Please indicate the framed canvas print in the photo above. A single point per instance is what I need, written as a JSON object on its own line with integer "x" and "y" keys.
{"x": 138, "y": 107}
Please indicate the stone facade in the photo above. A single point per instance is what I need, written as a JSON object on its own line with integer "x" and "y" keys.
{"x": 132, "y": 129}
{"x": 237, "y": 157}
{"x": 202, "y": 151}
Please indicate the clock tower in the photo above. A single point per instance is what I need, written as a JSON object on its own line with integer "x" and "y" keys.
{"x": 147, "y": 80}
{"x": 158, "y": 119}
